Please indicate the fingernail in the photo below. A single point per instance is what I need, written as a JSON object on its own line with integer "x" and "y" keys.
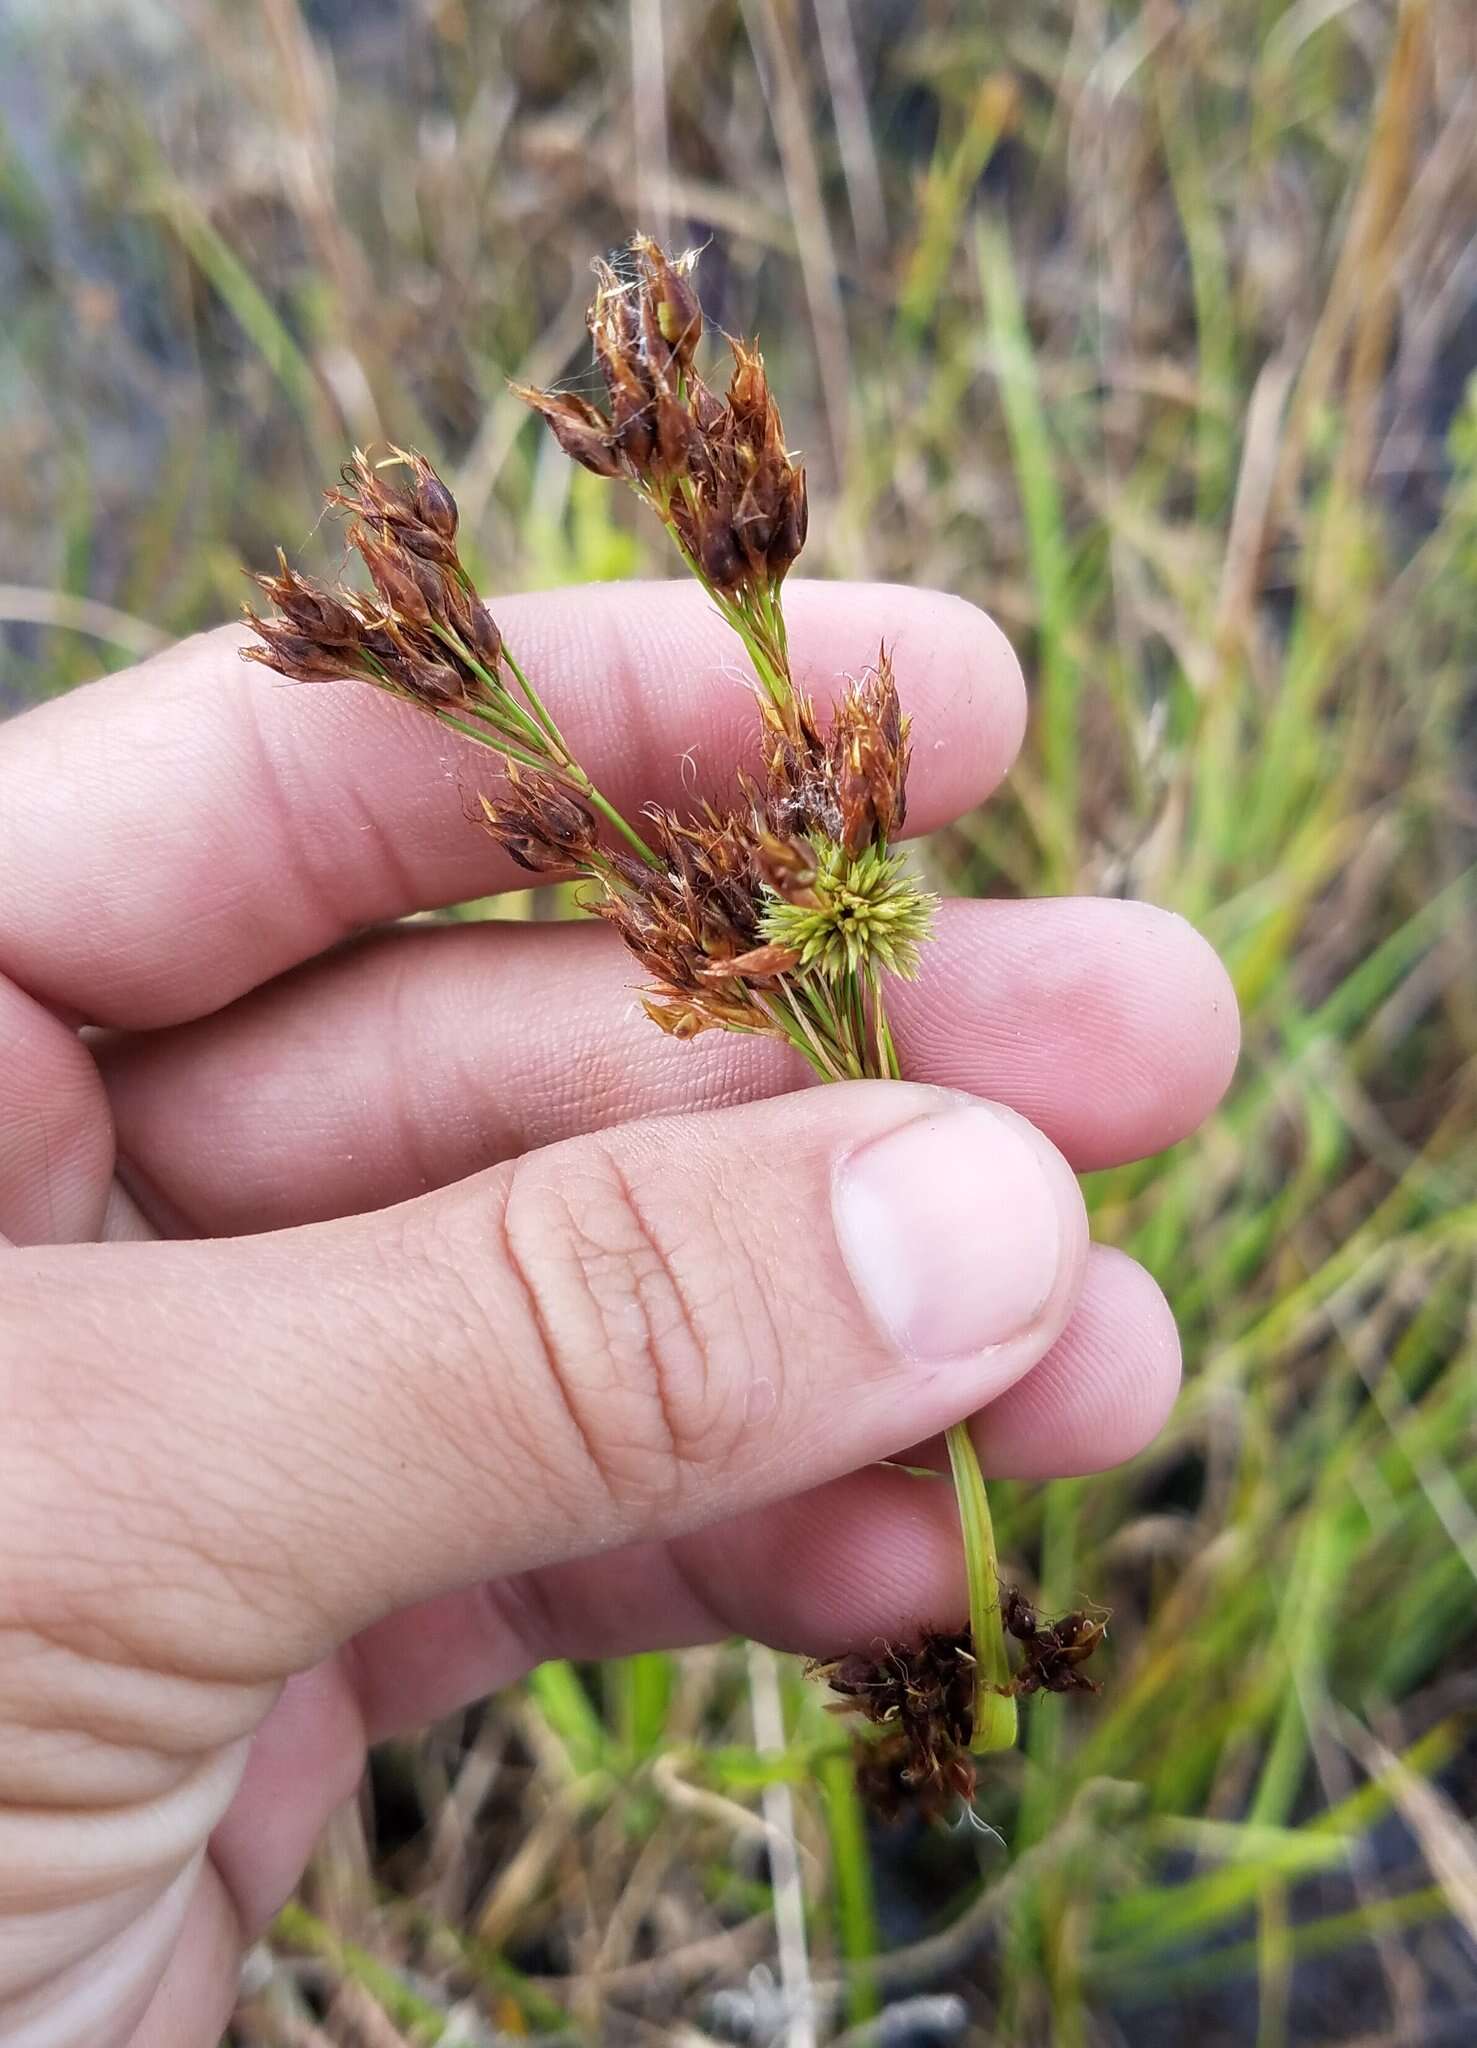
{"x": 950, "y": 1230}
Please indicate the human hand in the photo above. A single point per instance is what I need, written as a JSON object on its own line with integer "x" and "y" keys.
{"x": 379, "y": 1321}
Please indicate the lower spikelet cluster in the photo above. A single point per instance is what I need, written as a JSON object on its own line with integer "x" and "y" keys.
{"x": 922, "y": 1697}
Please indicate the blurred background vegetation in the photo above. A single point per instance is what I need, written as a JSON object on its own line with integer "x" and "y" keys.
{"x": 1151, "y": 328}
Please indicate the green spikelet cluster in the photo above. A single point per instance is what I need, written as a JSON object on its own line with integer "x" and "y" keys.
{"x": 868, "y": 915}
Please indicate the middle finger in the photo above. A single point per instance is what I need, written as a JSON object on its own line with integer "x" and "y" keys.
{"x": 422, "y": 1055}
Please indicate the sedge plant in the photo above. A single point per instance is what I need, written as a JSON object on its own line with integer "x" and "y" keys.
{"x": 783, "y": 915}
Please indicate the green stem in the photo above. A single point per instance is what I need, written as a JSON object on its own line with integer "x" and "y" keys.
{"x": 802, "y": 1034}
{"x": 613, "y": 817}
{"x": 536, "y": 703}
{"x": 995, "y": 1717}
{"x": 500, "y": 745}
{"x": 544, "y": 734}
{"x": 587, "y": 788}
{"x": 502, "y": 700}
{"x": 758, "y": 619}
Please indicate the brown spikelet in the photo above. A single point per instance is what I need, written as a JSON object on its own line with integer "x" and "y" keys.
{"x": 867, "y": 754}
{"x": 579, "y": 429}
{"x": 294, "y": 655}
{"x": 312, "y": 610}
{"x": 544, "y": 826}
{"x": 419, "y": 516}
{"x": 392, "y": 572}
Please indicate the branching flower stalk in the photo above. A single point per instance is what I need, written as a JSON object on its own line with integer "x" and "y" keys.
{"x": 782, "y": 916}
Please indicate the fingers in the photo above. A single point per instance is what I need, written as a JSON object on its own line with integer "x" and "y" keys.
{"x": 1112, "y": 1025}
{"x": 193, "y": 2000}
{"x": 56, "y": 1136}
{"x": 618, "y": 1339}
{"x": 837, "y": 1567}
{"x": 425, "y": 1055}
{"x": 874, "y": 1554}
{"x": 1101, "y": 1394}
{"x": 232, "y": 824}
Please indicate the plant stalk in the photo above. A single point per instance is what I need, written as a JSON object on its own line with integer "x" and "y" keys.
{"x": 995, "y": 1716}
{"x": 996, "y": 1720}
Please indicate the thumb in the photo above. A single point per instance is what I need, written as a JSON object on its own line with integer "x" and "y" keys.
{"x": 230, "y": 1455}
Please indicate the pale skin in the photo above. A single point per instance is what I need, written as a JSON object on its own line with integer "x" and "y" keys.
{"x": 383, "y": 1317}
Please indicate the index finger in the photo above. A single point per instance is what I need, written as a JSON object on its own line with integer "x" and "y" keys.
{"x": 172, "y": 836}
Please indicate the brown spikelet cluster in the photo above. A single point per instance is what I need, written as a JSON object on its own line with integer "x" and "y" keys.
{"x": 694, "y": 925}
{"x": 1052, "y": 1652}
{"x": 700, "y": 910}
{"x": 422, "y": 630}
{"x": 782, "y": 911}
{"x": 849, "y": 785}
{"x": 922, "y": 1696}
{"x": 423, "y": 633}
{"x": 778, "y": 915}
{"x": 716, "y": 470}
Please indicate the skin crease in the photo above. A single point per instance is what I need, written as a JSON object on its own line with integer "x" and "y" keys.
{"x": 362, "y": 1344}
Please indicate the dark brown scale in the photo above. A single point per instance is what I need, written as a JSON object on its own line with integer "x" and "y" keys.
{"x": 436, "y": 507}
{"x": 429, "y": 581}
{"x": 656, "y": 350}
{"x": 440, "y": 682}
{"x": 676, "y": 436}
{"x": 429, "y": 545}
{"x": 392, "y": 578}
{"x": 719, "y": 556}
{"x": 482, "y": 634}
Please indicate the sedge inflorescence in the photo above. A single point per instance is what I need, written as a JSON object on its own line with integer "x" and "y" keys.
{"x": 782, "y": 912}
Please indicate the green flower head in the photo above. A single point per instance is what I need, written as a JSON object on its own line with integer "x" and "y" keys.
{"x": 862, "y": 914}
